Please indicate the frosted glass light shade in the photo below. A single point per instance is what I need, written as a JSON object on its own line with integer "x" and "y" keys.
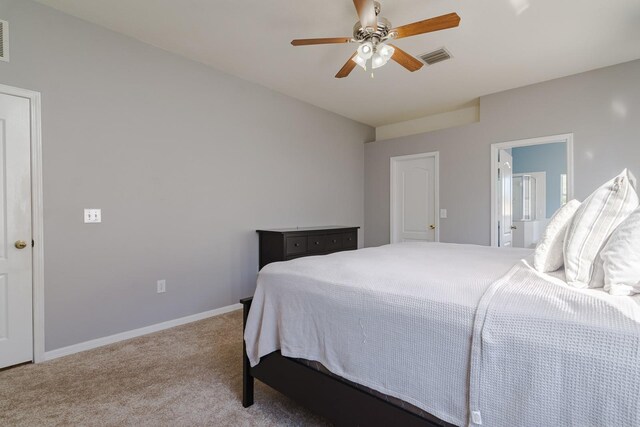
{"x": 386, "y": 51}
{"x": 360, "y": 61}
{"x": 378, "y": 61}
{"x": 365, "y": 51}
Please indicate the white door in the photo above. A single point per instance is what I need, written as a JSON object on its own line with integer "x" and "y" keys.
{"x": 505, "y": 199}
{"x": 413, "y": 198}
{"x": 16, "y": 330}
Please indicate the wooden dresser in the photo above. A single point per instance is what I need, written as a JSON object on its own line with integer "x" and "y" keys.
{"x": 289, "y": 243}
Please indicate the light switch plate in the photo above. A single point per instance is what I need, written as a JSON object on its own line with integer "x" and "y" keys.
{"x": 443, "y": 213}
{"x": 92, "y": 216}
{"x": 162, "y": 286}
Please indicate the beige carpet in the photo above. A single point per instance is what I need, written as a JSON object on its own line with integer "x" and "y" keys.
{"x": 185, "y": 376}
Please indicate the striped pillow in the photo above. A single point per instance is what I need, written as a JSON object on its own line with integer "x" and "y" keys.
{"x": 620, "y": 258}
{"x": 592, "y": 225}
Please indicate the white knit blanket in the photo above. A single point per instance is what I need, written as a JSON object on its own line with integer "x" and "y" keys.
{"x": 545, "y": 354}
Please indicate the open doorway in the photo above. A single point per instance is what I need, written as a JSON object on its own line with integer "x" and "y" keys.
{"x": 530, "y": 180}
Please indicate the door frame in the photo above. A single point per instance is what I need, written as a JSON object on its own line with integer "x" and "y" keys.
{"x": 495, "y": 149}
{"x": 37, "y": 219}
{"x": 392, "y": 196}
{"x": 500, "y": 192}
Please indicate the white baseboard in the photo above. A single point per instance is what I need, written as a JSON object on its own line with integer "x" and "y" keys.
{"x": 99, "y": 342}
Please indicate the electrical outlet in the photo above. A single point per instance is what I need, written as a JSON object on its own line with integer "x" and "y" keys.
{"x": 92, "y": 216}
{"x": 162, "y": 286}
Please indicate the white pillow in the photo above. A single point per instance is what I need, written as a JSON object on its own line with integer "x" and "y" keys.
{"x": 549, "y": 254}
{"x": 592, "y": 225}
{"x": 621, "y": 258}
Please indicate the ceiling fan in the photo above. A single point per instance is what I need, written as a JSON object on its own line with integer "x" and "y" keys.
{"x": 374, "y": 33}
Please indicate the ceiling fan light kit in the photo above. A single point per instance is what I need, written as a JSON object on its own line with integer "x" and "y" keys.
{"x": 371, "y": 56}
{"x": 373, "y": 34}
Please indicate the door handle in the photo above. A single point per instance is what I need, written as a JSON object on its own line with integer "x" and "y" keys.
{"x": 433, "y": 227}
{"x": 513, "y": 227}
{"x": 20, "y": 244}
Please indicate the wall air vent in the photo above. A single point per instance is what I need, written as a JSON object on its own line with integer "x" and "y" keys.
{"x": 4, "y": 41}
{"x": 435, "y": 56}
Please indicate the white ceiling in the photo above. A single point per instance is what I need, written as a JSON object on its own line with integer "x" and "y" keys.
{"x": 500, "y": 44}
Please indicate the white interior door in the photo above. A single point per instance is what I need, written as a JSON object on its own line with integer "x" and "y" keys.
{"x": 505, "y": 199}
{"x": 413, "y": 199}
{"x": 16, "y": 324}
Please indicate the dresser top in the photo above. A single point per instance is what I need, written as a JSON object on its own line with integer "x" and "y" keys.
{"x": 295, "y": 229}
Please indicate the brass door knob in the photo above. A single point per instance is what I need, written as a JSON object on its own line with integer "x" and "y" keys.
{"x": 433, "y": 227}
{"x": 21, "y": 244}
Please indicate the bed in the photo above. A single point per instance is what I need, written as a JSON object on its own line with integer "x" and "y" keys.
{"x": 442, "y": 334}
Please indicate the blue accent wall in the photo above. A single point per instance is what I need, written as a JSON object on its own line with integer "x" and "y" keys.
{"x": 549, "y": 158}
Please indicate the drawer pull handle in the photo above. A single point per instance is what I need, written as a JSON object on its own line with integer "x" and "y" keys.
{"x": 296, "y": 245}
{"x": 317, "y": 243}
{"x": 335, "y": 241}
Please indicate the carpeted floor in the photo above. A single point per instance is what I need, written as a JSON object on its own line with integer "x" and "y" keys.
{"x": 185, "y": 376}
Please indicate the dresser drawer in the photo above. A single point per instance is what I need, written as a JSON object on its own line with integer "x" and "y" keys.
{"x": 316, "y": 243}
{"x": 350, "y": 240}
{"x": 333, "y": 242}
{"x": 296, "y": 245}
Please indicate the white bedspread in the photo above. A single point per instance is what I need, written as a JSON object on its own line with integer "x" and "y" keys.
{"x": 545, "y": 354}
{"x": 397, "y": 318}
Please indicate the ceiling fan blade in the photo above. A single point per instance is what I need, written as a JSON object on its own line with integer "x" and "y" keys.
{"x": 330, "y": 40}
{"x": 406, "y": 60}
{"x": 366, "y": 13}
{"x": 438, "y": 23}
{"x": 347, "y": 68}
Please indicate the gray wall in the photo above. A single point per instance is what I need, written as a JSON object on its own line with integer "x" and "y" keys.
{"x": 549, "y": 158}
{"x": 601, "y": 108}
{"x": 185, "y": 162}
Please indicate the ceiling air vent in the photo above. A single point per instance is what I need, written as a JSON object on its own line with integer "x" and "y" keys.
{"x": 4, "y": 41}
{"x": 435, "y": 56}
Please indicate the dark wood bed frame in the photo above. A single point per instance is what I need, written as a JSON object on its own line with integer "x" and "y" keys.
{"x": 335, "y": 399}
